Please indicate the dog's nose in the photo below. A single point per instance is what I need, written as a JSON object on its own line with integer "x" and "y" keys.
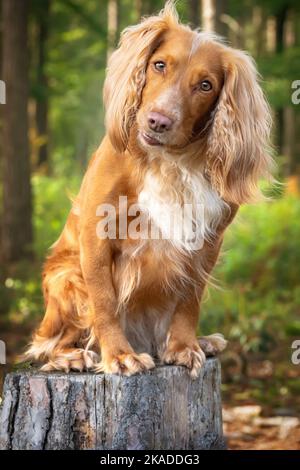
{"x": 159, "y": 122}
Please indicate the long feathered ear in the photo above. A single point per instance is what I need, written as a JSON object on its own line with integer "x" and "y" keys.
{"x": 238, "y": 143}
{"x": 126, "y": 73}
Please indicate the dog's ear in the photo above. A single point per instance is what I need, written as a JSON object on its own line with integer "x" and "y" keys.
{"x": 238, "y": 143}
{"x": 126, "y": 73}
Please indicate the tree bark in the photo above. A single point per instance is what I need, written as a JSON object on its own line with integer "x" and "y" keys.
{"x": 17, "y": 226}
{"x": 161, "y": 409}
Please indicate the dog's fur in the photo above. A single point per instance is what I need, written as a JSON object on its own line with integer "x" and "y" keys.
{"x": 131, "y": 300}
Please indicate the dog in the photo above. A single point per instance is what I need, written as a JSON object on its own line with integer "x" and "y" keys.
{"x": 187, "y": 125}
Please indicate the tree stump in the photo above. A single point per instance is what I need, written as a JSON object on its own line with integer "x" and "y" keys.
{"x": 161, "y": 409}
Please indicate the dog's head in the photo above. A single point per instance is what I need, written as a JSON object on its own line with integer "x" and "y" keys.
{"x": 181, "y": 87}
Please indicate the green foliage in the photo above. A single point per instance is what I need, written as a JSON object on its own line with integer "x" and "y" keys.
{"x": 52, "y": 204}
{"x": 258, "y": 303}
{"x": 21, "y": 296}
{"x": 75, "y": 69}
{"x": 279, "y": 71}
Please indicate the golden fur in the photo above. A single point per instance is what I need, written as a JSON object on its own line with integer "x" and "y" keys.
{"x": 115, "y": 304}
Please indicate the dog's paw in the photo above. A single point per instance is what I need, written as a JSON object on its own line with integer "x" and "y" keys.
{"x": 126, "y": 364}
{"x": 191, "y": 357}
{"x": 213, "y": 344}
{"x": 77, "y": 360}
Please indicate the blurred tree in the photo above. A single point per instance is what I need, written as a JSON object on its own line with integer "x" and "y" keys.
{"x": 194, "y": 13}
{"x": 280, "y": 17}
{"x": 147, "y": 8}
{"x": 42, "y": 99}
{"x": 82, "y": 11}
{"x": 1, "y": 35}
{"x": 208, "y": 13}
{"x": 112, "y": 25}
{"x": 138, "y": 5}
{"x": 221, "y": 9}
{"x": 1, "y": 31}
{"x": 259, "y": 27}
{"x": 17, "y": 227}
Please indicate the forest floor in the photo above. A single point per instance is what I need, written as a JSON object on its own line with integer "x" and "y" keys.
{"x": 245, "y": 427}
{"x": 261, "y": 398}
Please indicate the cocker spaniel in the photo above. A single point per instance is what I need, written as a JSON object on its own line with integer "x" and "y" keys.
{"x": 187, "y": 140}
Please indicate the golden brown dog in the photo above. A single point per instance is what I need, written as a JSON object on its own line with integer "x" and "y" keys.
{"x": 187, "y": 126}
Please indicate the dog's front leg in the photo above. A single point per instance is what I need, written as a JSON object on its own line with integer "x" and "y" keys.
{"x": 182, "y": 343}
{"x": 183, "y": 347}
{"x": 117, "y": 355}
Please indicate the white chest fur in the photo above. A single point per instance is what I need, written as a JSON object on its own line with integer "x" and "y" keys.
{"x": 185, "y": 209}
{"x": 162, "y": 200}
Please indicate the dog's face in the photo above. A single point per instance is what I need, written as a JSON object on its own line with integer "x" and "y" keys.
{"x": 190, "y": 94}
{"x": 184, "y": 79}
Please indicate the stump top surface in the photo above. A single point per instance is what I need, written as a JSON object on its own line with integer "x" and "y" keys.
{"x": 211, "y": 362}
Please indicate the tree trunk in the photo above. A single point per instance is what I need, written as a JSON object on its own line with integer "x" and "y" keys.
{"x": 221, "y": 26}
{"x": 290, "y": 150}
{"x": 148, "y": 7}
{"x": 271, "y": 34}
{"x": 280, "y": 22}
{"x": 259, "y": 31}
{"x": 42, "y": 99}
{"x": 138, "y": 8}
{"x": 194, "y": 13}
{"x": 161, "y": 409}
{"x": 208, "y": 15}
{"x": 112, "y": 25}
{"x": 297, "y": 144}
{"x": 17, "y": 227}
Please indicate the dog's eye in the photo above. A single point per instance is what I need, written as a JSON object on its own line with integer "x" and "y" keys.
{"x": 160, "y": 65}
{"x": 205, "y": 85}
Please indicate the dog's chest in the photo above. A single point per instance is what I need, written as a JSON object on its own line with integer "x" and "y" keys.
{"x": 185, "y": 211}
{"x": 167, "y": 254}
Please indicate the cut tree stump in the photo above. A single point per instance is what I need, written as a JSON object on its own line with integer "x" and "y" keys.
{"x": 160, "y": 409}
